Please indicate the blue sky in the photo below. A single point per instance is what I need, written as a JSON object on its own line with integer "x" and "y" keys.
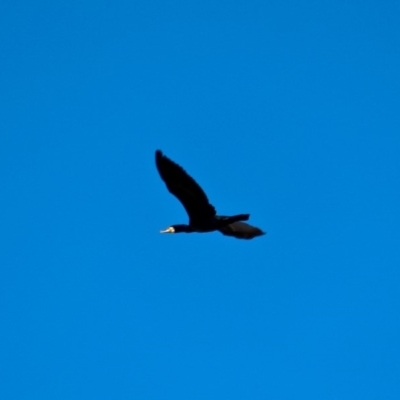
{"x": 286, "y": 110}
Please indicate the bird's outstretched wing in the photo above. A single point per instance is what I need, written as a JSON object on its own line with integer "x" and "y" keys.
{"x": 241, "y": 230}
{"x": 185, "y": 188}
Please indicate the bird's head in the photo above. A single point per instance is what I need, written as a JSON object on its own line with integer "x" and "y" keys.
{"x": 170, "y": 229}
{"x": 178, "y": 229}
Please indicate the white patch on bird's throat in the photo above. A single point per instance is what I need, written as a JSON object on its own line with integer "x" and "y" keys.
{"x": 168, "y": 230}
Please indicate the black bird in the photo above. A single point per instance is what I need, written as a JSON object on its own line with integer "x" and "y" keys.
{"x": 202, "y": 215}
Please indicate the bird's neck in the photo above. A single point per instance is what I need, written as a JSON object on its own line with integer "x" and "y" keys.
{"x": 181, "y": 228}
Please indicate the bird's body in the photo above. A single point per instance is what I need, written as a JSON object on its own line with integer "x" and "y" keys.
{"x": 202, "y": 214}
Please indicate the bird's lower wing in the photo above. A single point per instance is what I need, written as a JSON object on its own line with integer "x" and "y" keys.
{"x": 241, "y": 230}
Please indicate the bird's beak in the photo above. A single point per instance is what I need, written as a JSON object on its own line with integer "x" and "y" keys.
{"x": 168, "y": 230}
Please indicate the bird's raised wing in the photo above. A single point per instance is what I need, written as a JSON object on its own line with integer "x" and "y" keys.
{"x": 241, "y": 230}
{"x": 185, "y": 188}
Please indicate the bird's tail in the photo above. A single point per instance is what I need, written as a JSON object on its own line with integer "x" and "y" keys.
{"x": 234, "y": 218}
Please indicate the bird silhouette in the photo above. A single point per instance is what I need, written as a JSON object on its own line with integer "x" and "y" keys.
{"x": 202, "y": 214}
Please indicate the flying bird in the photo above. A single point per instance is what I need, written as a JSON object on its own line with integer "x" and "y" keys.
{"x": 202, "y": 215}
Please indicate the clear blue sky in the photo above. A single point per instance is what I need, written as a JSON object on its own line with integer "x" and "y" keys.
{"x": 283, "y": 109}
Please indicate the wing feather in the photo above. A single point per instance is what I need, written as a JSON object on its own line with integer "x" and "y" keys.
{"x": 241, "y": 230}
{"x": 184, "y": 188}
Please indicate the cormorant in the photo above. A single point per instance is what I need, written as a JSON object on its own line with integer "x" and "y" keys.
{"x": 202, "y": 215}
